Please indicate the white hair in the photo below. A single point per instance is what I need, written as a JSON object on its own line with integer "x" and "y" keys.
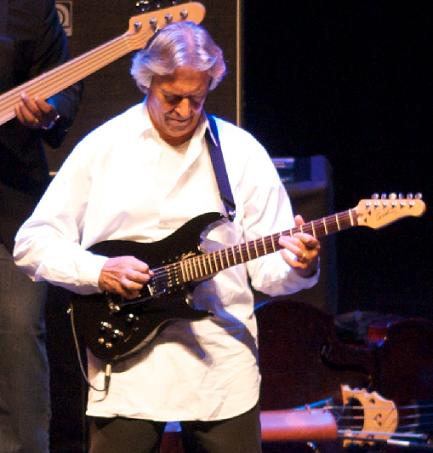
{"x": 178, "y": 44}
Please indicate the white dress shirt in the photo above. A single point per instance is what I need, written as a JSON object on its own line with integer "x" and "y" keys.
{"x": 123, "y": 182}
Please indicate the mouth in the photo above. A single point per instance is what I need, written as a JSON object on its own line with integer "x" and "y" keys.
{"x": 179, "y": 123}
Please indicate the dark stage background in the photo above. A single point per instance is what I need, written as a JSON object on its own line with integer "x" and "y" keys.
{"x": 353, "y": 81}
{"x": 349, "y": 81}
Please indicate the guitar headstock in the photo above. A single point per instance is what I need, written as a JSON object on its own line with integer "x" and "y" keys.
{"x": 380, "y": 211}
{"x": 143, "y": 26}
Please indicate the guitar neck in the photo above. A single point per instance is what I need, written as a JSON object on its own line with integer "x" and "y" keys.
{"x": 208, "y": 264}
{"x": 61, "y": 77}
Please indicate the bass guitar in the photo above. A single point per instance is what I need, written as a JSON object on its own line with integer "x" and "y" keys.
{"x": 114, "y": 328}
{"x": 364, "y": 419}
{"x": 141, "y": 28}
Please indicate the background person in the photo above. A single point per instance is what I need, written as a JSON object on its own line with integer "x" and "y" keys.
{"x": 31, "y": 41}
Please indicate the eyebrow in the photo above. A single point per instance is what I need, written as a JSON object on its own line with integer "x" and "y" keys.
{"x": 174, "y": 94}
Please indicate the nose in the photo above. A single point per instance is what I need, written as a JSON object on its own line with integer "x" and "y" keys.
{"x": 183, "y": 108}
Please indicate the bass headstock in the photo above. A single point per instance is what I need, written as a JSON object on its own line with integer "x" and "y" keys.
{"x": 155, "y": 15}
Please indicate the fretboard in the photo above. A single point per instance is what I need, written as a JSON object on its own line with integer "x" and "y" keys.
{"x": 202, "y": 266}
{"x": 65, "y": 75}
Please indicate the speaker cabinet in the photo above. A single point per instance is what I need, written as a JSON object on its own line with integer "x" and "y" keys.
{"x": 308, "y": 181}
{"x": 111, "y": 90}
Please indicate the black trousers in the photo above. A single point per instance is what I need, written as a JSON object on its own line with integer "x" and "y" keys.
{"x": 239, "y": 434}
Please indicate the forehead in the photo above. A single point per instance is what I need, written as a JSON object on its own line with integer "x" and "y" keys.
{"x": 184, "y": 80}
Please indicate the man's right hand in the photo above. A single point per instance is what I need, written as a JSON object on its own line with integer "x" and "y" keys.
{"x": 124, "y": 275}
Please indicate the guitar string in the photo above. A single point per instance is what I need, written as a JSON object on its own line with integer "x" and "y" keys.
{"x": 260, "y": 247}
{"x": 56, "y": 78}
{"x": 347, "y": 409}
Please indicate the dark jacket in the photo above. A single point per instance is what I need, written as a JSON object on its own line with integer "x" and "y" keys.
{"x": 31, "y": 42}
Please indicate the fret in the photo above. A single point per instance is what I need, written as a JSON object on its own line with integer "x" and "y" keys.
{"x": 199, "y": 260}
{"x": 351, "y": 218}
{"x": 234, "y": 255}
{"x": 273, "y": 243}
{"x": 220, "y": 253}
{"x": 188, "y": 276}
{"x": 195, "y": 272}
{"x": 313, "y": 230}
{"x": 184, "y": 271}
{"x": 209, "y": 263}
{"x": 338, "y": 223}
{"x": 226, "y": 254}
{"x": 256, "y": 249}
{"x": 325, "y": 225}
{"x": 212, "y": 259}
{"x": 190, "y": 269}
{"x": 265, "y": 251}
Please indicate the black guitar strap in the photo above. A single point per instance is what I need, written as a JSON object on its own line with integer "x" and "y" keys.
{"x": 219, "y": 167}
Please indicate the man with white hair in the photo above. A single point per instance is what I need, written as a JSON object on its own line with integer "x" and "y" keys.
{"x": 140, "y": 177}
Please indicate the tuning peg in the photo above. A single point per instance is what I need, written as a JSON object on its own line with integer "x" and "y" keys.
{"x": 153, "y": 22}
{"x": 375, "y": 196}
{"x": 393, "y": 198}
{"x": 410, "y": 195}
{"x": 418, "y": 196}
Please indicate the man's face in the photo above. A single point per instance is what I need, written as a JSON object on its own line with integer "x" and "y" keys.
{"x": 175, "y": 103}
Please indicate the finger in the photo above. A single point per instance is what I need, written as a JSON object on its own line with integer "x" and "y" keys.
{"x": 43, "y": 106}
{"x": 289, "y": 243}
{"x": 26, "y": 117}
{"x": 307, "y": 241}
{"x": 293, "y": 245}
{"x": 30, "y": 107}
{"x": 299, "y": 220}
{"x": 46, "y": 111}
{"x": 292, "y": 259}
{"x": 138, "y": 276}
{"x": 25, "y": 113}
{"x": 130, "y": 285}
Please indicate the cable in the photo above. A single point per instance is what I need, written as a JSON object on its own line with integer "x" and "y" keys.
{"x": 107, "y": 375}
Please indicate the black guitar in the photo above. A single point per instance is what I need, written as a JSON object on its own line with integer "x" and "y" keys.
{"x": 114, "y": 328}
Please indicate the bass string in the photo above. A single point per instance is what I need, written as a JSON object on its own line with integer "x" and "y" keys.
{"x": 340, "y": 410}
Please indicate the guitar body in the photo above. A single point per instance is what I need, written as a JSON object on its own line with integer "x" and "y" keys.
{"x": 113, "y": 327}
